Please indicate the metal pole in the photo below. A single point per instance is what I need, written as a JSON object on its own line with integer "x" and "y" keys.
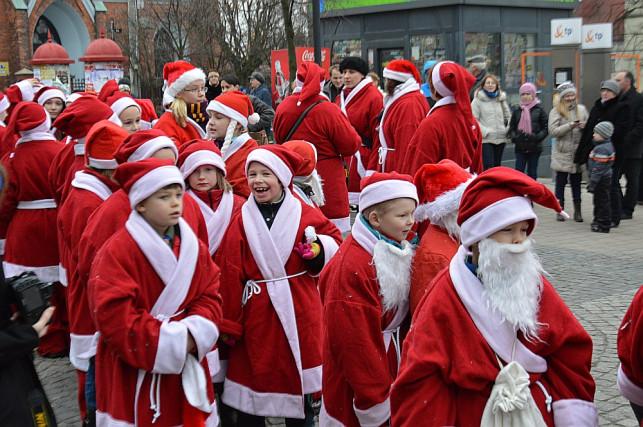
{"x": 317, "y": 32}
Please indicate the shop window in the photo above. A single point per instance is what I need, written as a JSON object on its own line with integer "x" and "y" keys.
{"x": 344, "y": 48}
{"x": 515, "y": 46}
{"x": 426, "y": 47}
{"x": 487, "y": 44}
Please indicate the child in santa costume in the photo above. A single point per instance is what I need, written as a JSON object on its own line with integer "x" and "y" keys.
{"x": 365, "y": 292}
{"x": 491, "y": 342}
{"x": 449, "y": 131}
{"x": 361, "y": 102}
{"x": 204, "y": 173}
{"x": 630, "y": 345}
{"x": 272, "y": 310}
{"x": 23, "y": 91}
{"x": 184, "y": 95}
{"x": 229, "y": 115}
{"x": 328, "y": 128}
{"x": 440, "y": 188}
{"x": 53, "y": 99}
{"x": 125, "y": 108}
{"x": 404, "y": 108}
{"x": 4, "y": 106}
{"x": 155, "y": 301}
{"x": 307, "y": 184}
{"x": 89, "y": 189}
{"x": 28, "y": 213}
{"x": 148, "y": 113}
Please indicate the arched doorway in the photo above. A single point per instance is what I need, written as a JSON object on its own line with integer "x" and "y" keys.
{"x": 71, "y": 30}
{"x": 40, "y": 33}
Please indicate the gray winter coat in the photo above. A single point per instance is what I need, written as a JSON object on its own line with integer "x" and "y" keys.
{"x": 567, "y": 139}
{"x": 493, "y": 116}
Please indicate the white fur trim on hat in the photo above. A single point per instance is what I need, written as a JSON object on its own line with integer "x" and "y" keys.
{"x": 440, "y": 88}
{"x": 273, "y": 162}
{"x": 183, "y": 82}
{"x": 121, "y": 104}
{"x": 150, "y": 147}
{"x": 445, "y": 204}
{"x": 495, "y": 217}
{"x": 49, "y": 94}
{"x": 74, "y": 96}
{"x": 397, "y": 75}
{"x": 231, "y": 113}
{"x": 200, "y": 158}
{"x": 382, "y": 191}
{"x": 4, "y": 104}
{"x": 102, "y": 163}
{"x": 152, "y": 182}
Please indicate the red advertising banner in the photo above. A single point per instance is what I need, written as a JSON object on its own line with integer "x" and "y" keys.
{"x": 281, "y": 74}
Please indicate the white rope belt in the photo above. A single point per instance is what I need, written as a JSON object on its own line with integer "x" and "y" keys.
{"x": 395, "y": 337}
{"x": 382, "y": 151}
{"x": 37, "y": 204}
{"x": 252, "y": 286}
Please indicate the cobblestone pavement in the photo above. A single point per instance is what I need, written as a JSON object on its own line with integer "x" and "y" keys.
{"x": 596, "y": 274}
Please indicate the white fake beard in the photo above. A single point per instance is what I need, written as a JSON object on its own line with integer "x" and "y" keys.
{"x": 315, "y": 181}
{"x": 450, "y": 224}
{"x": 512, "y": 279}
{"x": 393, "y": 268}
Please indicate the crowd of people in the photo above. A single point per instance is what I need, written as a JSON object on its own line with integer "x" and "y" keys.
{"x": 204, "y": 276}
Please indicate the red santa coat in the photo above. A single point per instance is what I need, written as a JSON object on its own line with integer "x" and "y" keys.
{"x": 145, "y": 301}
{"x": 445, "y": 134}
{"x": 180, "y": 135}
{"x": 630, "y": 352}
{"x": 398, "y": 125}
{"x": 432, "y": 255}
{"x": 362, "y": 106}
{"x": 277, "y": 355}
{"x": 235, "y": 163}
{"x": 331, "y": 133}
{"x": 449, "y": 361}
{"x": 69, "y": 160}
{"x": 360, "y": 363}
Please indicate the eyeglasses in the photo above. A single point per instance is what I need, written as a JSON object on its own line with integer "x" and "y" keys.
{"x": 195, "y": 90}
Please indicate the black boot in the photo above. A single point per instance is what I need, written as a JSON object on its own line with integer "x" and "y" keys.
{"x": 578, "y": 217}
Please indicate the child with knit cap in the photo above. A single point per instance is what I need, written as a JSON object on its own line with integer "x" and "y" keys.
{"x": 365, "y": 292}
{"x": 272, "y": 310}
{"x": 204, "y": 173}
{"x": 28, "y": 213}
{"x": 154, "y": 298}
{"x": 184, "y": 99}
{"x": 599, "y": 169}
{"x": 229, "y": 115}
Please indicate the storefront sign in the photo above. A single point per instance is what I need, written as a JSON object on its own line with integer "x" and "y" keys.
{"x": 4, "y": 69}
{"x": 566, "y": 31}
{"x": 597, "y": 36}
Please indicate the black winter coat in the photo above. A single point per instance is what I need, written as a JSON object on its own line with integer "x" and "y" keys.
{"x": 532, "y": 143}
{"x": 612, "y": 111}
{"x": 633, "y": 140}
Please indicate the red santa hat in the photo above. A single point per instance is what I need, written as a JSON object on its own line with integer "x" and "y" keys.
{"x": 28, "y": 117}
{"x": 143, "y": 178}
{"x": 199, "y": 152}
{"x": 109, "y": 88}
{"x": 310, "y": 82}
{"x": 308, "y": 152}
{"x": 76, "y": 95}
{"x": 401, "y": 70}
{"x": 451, "y": 79}
{"x": 440, "y": 187}
{"x": 177, "y": 76}
{"x": 142, "y": 145}
{"x": 79, "y": 117}
{"x": 48, "y": 92}
{"x": 4, "y": 103}
{"x": 102, "y": 141}
{"x": 380, "y": 187}
{"x": 500, "y": 197}
{"x": 279, "y": 159}
{"x": 236, "y": 105}
{"x": 148, "y": 113}
{"x": 119, "y": 101}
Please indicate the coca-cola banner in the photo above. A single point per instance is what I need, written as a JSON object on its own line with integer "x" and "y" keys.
{"x": 281, "y": 74}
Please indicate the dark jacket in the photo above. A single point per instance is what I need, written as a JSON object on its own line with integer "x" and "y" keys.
{"x": 266, "y": 115}
{"x": 331, "y": 91}
{"x": 599, "y": 165}
{"x": 633, "y": 140}
{"x": 477, "y": 84}
{"x": 263, "y": 93}
{"x": 212, "y": 91}
{"x": 531, "y": 143}
{"x": 611, "y": 110}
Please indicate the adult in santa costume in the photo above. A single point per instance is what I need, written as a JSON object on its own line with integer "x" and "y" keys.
{"x": 28, "y": 213}
{"x": 491, "y": 342}
{"x": 440, "y": 188}
{"x": 4, "y": 106}
{"x": 365, "y": 292}
{"x": 155, "y": 301}
{"x": 404, "y": 108}
{"x": 326, "y": 127}
{"x": 307, "y": 184}
{"x": 198, "y": 160}
{"x": 272, "y": 311}
{"x": 89, "y": 189}
{"x": 361, "y": 102}
{"x": 126, "y": 109}
{"x": 184, "y": 92}
{"x": 449, "y": 131}
{"x": 230, "y": 115}
{"x": 629, "y": 344}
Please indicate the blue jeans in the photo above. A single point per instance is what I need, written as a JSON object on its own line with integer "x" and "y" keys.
{"x": 530, "y": 160}
{"x": 90, "y": 385}
{"x": 492, "y": 155}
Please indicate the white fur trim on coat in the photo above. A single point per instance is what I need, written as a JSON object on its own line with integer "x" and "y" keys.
{"x": 44, "y": 274}
{"x": 628, "y": 389}
{"x": 263, "y": 404}
{"x": 575, "y": 413}
{"x": 376, "y": 415}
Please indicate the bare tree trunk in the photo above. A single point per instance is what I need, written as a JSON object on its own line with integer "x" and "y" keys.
{"x": 286, "y": 8}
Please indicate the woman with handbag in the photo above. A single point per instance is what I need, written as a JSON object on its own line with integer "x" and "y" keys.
{"x": 489, "y": 107}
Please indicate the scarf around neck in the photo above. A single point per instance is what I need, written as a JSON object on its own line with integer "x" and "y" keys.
{"x": 525, "y": 116}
